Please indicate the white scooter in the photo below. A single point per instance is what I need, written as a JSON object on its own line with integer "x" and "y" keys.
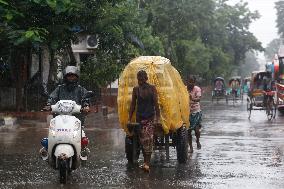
{"x": 66, "y": 144}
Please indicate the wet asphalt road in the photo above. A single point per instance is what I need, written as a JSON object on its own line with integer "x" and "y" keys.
{"x": 236, "y": 153}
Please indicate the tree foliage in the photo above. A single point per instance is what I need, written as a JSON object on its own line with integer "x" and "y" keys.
{"x": 280, "y": 17}
{"x": 205, "y": 37}
{"x": 121, "y": 31}
{"x": 251, "y": 64}
{"x": 272, "y": 49}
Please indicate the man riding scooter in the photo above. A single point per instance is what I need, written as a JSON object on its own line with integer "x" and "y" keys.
{"x": 66, "y": 145}
{"x": 70, "y": 90}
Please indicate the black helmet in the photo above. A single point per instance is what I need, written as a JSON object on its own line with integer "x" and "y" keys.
{"x": 71, "y": 70}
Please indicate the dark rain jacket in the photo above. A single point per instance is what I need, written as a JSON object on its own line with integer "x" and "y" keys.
{"x": 76, "y": 94}
{"x": 63, "y": 93}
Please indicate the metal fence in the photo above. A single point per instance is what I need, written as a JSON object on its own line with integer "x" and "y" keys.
{"x": 34, "y": 98}
{"x": 7, "y": 98}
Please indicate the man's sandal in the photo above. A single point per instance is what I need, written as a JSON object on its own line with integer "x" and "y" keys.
{"x": 145, "y": 168}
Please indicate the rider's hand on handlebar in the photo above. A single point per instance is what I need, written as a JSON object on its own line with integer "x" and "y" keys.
{"x": 86, "y": 109}
{"x": 47, "y": 108}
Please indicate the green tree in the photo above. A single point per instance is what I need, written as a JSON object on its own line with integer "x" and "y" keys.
{"x": 280, "y": 17}
{"x": 251, "y": 64}
{"x": 31, "y": 25}
{"x": 272, "y": 49}
{"x": 204, "y": 37}
{"x": 231, "y": 32}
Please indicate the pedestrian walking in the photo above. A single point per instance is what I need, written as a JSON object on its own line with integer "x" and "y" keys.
{"x": 195, "y": 112}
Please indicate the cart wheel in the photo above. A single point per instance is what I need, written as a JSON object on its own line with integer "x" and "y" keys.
{"x": 249, "y": 108}
{"x": 132, "y": 146}
{"x": 249, "y": 112}
{"x": 227, "y": 100}
{"x": 182, "y": 144}
{"x": 167, "y": 146}
{"x": 275, "y": 108}
{"x": 269, "y": 108}
{"x": 269, "y": 113}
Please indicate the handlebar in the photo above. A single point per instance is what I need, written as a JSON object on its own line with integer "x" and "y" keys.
{"x": 269, "y": 93}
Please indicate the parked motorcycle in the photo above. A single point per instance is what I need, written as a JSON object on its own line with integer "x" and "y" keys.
{"x": 66, "y": 145}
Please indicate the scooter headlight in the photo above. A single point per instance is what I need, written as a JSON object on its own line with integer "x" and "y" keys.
{"x": 77, "y": 126}
{"x": 66, "y": 107}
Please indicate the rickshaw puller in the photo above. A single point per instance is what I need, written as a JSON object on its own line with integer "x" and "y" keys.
{"x": 145, "y": 97}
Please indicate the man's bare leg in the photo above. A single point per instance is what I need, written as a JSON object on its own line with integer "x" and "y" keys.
{"x": 147, "y": 159}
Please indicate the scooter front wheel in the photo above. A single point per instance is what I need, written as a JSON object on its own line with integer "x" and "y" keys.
{"x": 63, "y": 171}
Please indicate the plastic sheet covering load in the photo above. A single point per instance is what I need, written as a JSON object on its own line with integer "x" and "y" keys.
{"x": 172, "y": 93}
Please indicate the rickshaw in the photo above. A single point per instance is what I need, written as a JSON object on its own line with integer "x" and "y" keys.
{"x": 173, "y": 100}
{"x": 219, "y": 90}
{"x": 246, "y": 85}
{"x": 280, "y": 96}
{"x": 261, "y": 96}
{"x": 234, "y": 91}
{"x": 278, "y": 64}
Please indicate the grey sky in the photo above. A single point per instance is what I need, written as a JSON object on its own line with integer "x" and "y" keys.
{"x": 264, "y": 28}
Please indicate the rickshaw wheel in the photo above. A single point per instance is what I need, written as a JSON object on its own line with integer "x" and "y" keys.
{"x": 249, "y": 108}
{"x": 227, "y": 100}
{"x": 275, "y": 109}
{"x": 269, "y": 113}
{"x": 270, "y": 109}
{"x": 249, "y": 113}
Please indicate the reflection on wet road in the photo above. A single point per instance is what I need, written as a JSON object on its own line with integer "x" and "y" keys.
{"x": 236, "y": 153}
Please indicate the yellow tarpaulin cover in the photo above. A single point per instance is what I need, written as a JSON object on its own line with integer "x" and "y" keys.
{"x": 172, "y": 93}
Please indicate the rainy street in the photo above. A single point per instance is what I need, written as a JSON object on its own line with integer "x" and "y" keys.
{"x": 236, "y": 153}
{"x": 157, "y": 64}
